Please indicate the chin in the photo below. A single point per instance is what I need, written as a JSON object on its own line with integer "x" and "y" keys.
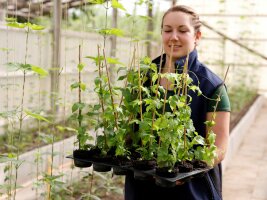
{"x": 177, "y": 55}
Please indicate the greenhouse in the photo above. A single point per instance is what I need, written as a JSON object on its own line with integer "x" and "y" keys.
{"x": 89, "y": 88}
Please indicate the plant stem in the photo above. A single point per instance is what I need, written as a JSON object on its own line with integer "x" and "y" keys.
{"x": 79, "y": 95}
{"x": 126, "y": 81}
{"x": 157, "y": 90}
{"x": 110, "y": 90}
{"x": 39, "y": 102}
{"x": 22, "y": 105}
{"x": 166, "y": 90}
{"x": 184, "y": 90}
{"x": 101, "y": 93}
{"x": 19, "y": 134}
{"x": 9, "y": 133}
{"x": 218, "y": 100}
{"x": 106, "y": 23}
{"x": 184, "y": 77}
{"x": 139, "y": 84}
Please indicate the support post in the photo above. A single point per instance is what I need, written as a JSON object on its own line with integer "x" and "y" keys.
{"x": 149, "y": 26}
{"x": 56, "y": 44}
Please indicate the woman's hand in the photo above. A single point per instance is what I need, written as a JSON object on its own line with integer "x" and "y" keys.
{"x": 179, "y": 182}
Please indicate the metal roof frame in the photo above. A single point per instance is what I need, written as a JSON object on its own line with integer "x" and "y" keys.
{"x": 36, "y": 8}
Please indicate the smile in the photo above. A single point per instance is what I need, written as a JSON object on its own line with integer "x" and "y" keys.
{"x": 175, "y": 46}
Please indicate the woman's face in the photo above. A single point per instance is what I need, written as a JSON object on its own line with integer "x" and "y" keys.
{"x": 177, "y": 30}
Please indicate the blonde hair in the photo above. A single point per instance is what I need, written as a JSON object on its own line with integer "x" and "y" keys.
{"x": 196, "y": 23}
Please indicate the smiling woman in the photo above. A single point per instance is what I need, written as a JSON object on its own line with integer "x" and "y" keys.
{"x": 180, "y": 35}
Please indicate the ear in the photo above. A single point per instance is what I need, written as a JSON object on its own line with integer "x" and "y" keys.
{"x": 198, "y": 36}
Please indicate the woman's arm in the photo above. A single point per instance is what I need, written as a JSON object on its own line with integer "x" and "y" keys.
{"x": 221, "y": 129}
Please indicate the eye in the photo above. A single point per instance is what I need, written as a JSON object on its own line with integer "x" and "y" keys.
{"x": 167, "y": 31}
{"x": 182, "y": 31}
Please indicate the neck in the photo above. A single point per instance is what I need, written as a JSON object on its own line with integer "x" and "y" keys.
{"x": 169, "y": 64}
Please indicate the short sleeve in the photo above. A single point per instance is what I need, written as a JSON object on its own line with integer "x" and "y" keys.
{"x": 223, "y": 104}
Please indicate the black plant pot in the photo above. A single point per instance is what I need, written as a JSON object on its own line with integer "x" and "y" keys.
{"x": 184, "y": 166}
{"x": 141, "y": 176}
{"x": 80, "y": 158}
{"x": 143, "y": 165}
{"x": 121, "y": 165}
{"x": 120, "y": 171}
{"x": 199, "y": 164}
{"x": 163, "y": 173}
{"x": 98, "y": 167}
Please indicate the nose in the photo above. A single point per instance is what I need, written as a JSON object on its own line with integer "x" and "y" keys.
{"x": 174, "y": 36}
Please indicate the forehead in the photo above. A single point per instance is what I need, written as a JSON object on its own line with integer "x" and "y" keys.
{"x": 177, "y": 18}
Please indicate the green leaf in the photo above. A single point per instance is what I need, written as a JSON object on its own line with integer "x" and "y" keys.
{"x": 80, "y": 66}
{"x": 96, "y": 107}
{"x": 97, "y": 81}
{"x": 37, "y": 116}
{"x": 40, "y": 71}
{"x": 114, "y": 61}
{"x": 10, "y": 19}
{"x": 121, "y": 69}
{"x": 77, "y": 84}
{"x": 154, "y": 78}
{"x": 96, "y": 59}
{"x": 173, "y": 100}
{"x": 122, "y": 77}
{"x": 146, "y": 60}
{"x": 77, "y": 106}
{"x": 83, "y": 86}
{"x": 111, "y": 31}
{"x": 74, "y": 85}
{"x": 6, "y": 49}
{"x": 195, "y": 88}
{"x": 210, "y": 123}
{"x": 7, "y": 114}
{"x": 96, "y": 1}
{"x": 116, "y": 4}
{"x": 16, "y": 25}
{"x": 64, "y": 128}
{"x": 36, "y": 27}
{"x": 198, "y": 140}
{"x": 19, "y": 66}
{"x": 211, "y": 137}
{"x": 144, "y": 17}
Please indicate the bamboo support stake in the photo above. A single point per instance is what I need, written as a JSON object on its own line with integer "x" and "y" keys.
{"x": 100, "y": 87}
{"x": 79, "y": 93}
{"x": 139, "y": 84}
{"x": 157, "y": 89}
{"x": 126, "y": 81}
{"x": 184, "y": 77}
{"x": 110, "y": 90}
{"x": 166, "y": 90}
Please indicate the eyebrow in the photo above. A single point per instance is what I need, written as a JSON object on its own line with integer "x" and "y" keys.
{"x": 181, "y": 26}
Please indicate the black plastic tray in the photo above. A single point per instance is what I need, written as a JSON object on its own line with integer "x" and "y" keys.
{"x": 180, "y": 176}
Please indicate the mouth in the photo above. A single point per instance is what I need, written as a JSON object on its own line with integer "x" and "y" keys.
{"x": 175, "y": 46}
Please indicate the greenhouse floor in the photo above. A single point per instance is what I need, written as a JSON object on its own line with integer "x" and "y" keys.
{"x": 245, "y": 176}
